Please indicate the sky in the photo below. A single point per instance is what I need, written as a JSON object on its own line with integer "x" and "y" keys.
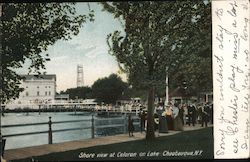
{"x": 88, "y": 48}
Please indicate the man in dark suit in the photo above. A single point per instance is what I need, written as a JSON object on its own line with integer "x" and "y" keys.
{"x": 205, "y": 115}
{"x": 143, "y": 119}
{"x": 211, "y": 113}
{"x": 191, "y": 114}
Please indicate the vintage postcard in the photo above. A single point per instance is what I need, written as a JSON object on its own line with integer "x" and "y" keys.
{"x": 128, "y": 80}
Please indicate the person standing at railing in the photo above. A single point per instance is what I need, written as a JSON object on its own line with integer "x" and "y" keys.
{"x": 131, "y": 127}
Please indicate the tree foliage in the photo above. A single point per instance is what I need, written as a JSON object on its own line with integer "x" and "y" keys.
{"x": 27, "y": 29}
{"x": 78, "y": 93}
{"x": 175, "y": 33}
{"x": 158, "y": 34}
{"x": 109, "y": 89}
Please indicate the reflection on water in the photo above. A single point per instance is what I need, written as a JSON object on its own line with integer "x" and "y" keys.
{"x": 40, "y": 139}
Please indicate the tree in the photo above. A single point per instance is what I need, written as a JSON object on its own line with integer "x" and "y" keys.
{"x": 157, "y": 35}
{"x": 27, "y": 29}
{"x": 78, "y": 93}
{"x": 109, "y": 89}
{"x": 196, "y": 77}
{"x": 135, "y": 92}
{"x": 195, "y": 67}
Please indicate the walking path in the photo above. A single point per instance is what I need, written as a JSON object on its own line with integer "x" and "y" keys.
{"x": 26, "y": 152}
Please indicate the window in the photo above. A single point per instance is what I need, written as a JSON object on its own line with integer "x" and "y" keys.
{"x": 49, "y": 93}
{"x": 46, "y": 93}
{"x": 49, "y": 86}
{"x": 37, "y": 86}
{"x": 27, "y": 93}
{"x": 37, "y": 93}
{"x": 26, "y": 86}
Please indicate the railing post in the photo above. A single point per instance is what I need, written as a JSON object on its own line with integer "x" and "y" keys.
{"x": 92, "y": 127}
{"x": 125, "y": 124}
{"x": 50, "y": 131}
{"x": 39, "y": 109}
{"x": 2, "y": 110}
{"x": 3, "y": 141}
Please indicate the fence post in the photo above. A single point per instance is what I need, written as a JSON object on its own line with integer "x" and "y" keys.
{"x": 2, "y": 110}
{"x": 92, "y": 127}
{"x": 39, "y": 109}
{"x": 3, "y": 141}
{"x": 50, "y": 131}
{"x": 125, "y": 124}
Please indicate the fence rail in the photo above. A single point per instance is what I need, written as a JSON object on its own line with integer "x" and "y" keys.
{"x": 23, "y": 134}
{"x": 22, "y": 125}
{"x": 70, "y": 121}
{"x": 110, "y": 126}
{"x": 70, "y": 129}
{"x": 50, "y": 132}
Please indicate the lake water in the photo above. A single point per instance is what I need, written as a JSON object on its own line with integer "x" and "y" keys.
{"x": 40, "y": 139}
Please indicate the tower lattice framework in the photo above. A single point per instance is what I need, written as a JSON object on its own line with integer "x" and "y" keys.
{"x": 80, "y": 77}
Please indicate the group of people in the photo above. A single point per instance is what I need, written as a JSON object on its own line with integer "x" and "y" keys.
{"x": 192, "y": 114}
{"x": 201, "y": 113}
{"x": 171, "y": 116}
{"x": 175, "y": 116}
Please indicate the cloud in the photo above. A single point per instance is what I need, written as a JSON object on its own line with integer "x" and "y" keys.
{"x": 85, "y": 48}
{"x": 59, "y": 58}
{"x": 95, "y": 52}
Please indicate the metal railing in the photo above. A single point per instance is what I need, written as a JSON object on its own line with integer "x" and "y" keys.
{"x": 50, "y": 132}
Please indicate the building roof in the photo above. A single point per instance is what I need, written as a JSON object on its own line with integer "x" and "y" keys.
{"x": 39, "y": 77}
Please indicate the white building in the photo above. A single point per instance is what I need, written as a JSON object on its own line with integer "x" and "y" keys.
{"x": 37, "y": 90}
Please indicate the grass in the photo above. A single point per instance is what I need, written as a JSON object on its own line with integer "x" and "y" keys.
{"x": 190, "y": 141}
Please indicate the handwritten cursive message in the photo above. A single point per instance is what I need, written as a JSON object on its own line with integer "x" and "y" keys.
{"x": 231, "y": 72}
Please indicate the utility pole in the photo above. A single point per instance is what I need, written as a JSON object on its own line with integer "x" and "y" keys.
{"x": 167, "y": 96}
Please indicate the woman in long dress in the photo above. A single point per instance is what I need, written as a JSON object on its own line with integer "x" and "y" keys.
{"x": 168, "y": 112}
{"x": 178, "y": 126}
{"x": 163, "y": 125}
